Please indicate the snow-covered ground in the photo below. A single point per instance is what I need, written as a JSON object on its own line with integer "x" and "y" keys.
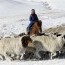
{"x": 14, "y": 15}
{"x": 14, "y": 25}
{"x": 14, "y": 7}
{"x": 55, "y": 4}
{"x": 45, "y": 62}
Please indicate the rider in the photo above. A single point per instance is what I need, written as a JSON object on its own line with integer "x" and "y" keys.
{"x": 33, "y": 18}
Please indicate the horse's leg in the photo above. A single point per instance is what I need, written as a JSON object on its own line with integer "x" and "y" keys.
{"x": 27, "y": 31}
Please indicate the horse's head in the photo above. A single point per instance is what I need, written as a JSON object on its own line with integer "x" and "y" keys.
{"x": 39, "y": 25}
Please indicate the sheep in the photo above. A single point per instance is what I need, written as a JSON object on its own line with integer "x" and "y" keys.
{"x": 14, "y": 45}
{"x": 49, "y": 43}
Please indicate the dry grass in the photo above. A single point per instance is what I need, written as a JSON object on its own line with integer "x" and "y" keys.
{"x": 59, "y": 29}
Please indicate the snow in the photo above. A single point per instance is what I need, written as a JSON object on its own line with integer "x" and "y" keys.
{"x": 46, "y": 62}
{"x": 13, "y": 7}
{"x": 57, "y": 4}
{"x": 54, "y": 4}
{"x": 14, "y": 25}
{"x": 14, "y": 15}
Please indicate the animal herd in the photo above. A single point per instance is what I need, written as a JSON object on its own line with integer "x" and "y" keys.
{"x": 32, "y": 47}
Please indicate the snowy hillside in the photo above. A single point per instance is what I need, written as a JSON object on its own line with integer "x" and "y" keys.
{"x": 13, "y": 7}
{"x": 14, "y": 25}
{"x": 55, "y": 4}
{"x": 14, "y": 16}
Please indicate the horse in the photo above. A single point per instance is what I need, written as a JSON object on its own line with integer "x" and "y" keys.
{"x": 36, "y": 28}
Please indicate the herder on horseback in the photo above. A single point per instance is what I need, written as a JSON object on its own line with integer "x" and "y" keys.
{"x": 33, "y": 19}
